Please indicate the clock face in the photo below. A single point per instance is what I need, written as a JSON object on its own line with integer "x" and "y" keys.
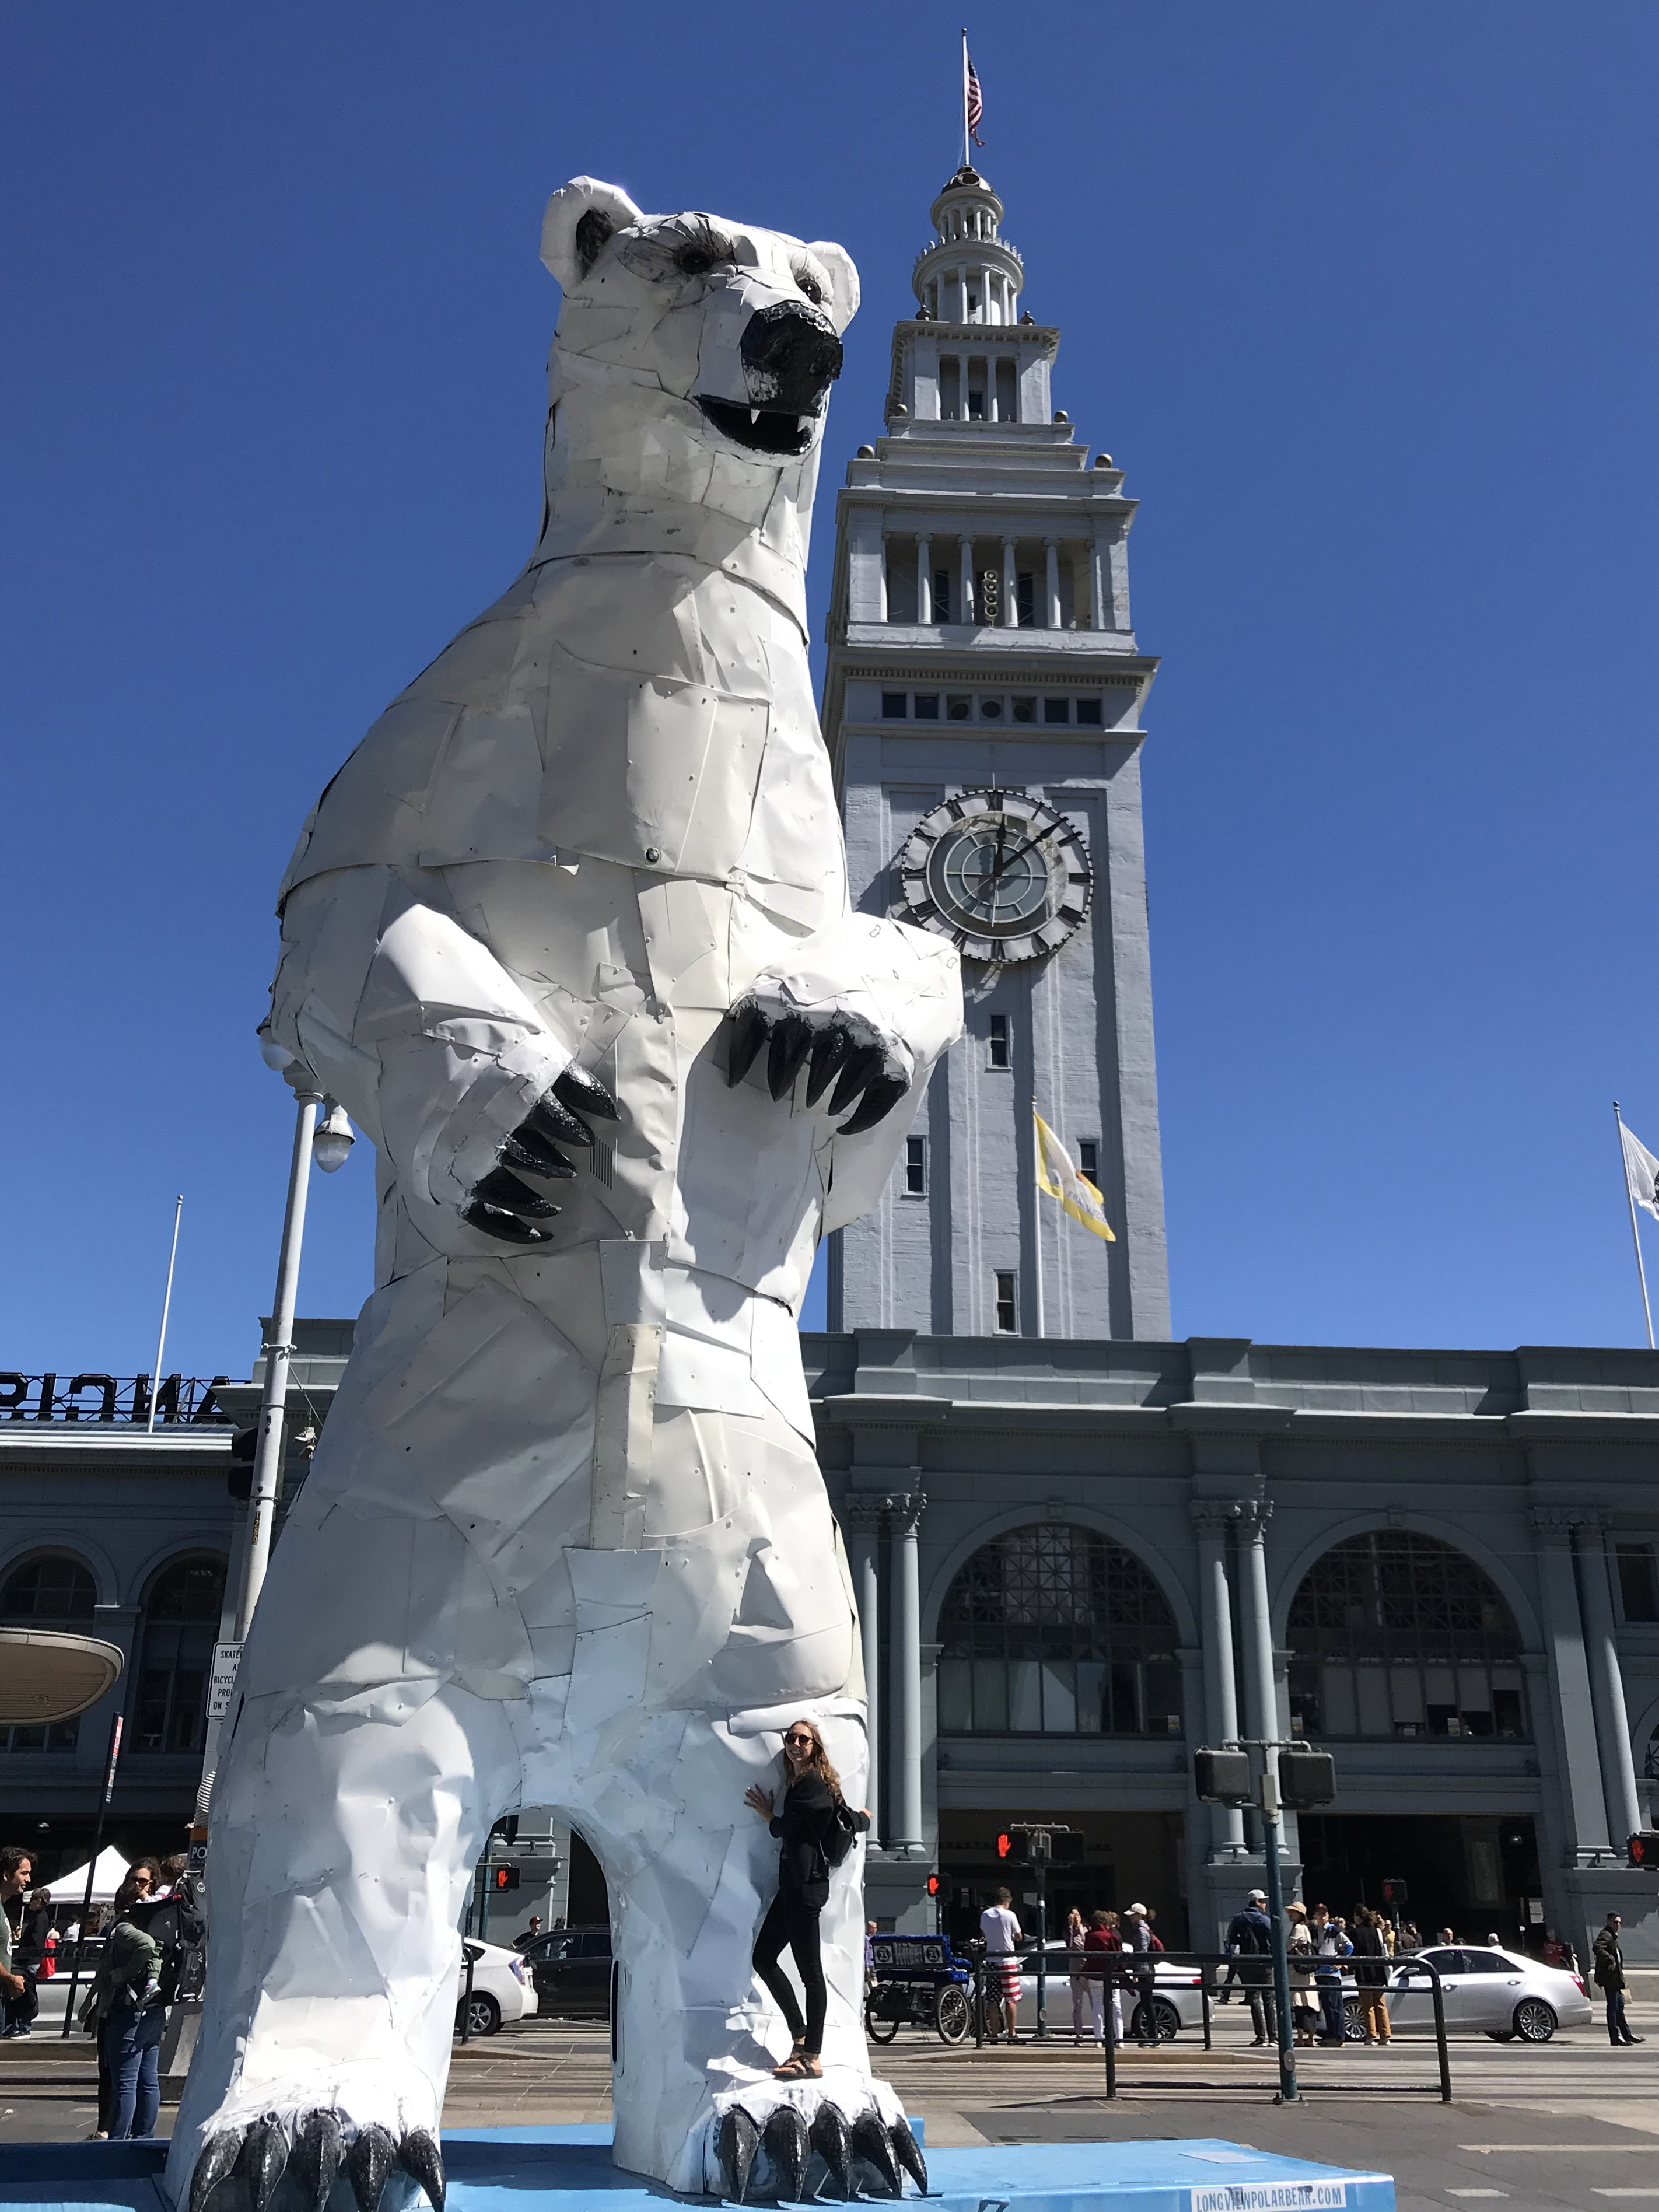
{"x": 1001, "y": 875}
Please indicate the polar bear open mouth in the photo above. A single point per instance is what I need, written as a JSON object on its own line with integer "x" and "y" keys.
{"x": 762, "y": 429}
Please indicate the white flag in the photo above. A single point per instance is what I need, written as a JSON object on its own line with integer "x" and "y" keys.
{"x": 1641, "y": 1172}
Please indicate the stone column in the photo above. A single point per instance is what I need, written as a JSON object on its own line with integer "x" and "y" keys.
{"x": 1261, "y": 1701}
{"x": 861, "y": 1517}
{"x": 966, "y": 613}
{"x": 1607, "y": 1685}
{"x": 904, "y": 1524}
{"x": 1212, "y": 1518}
{"x": 1051, "y": 582}
{"x": 924, "y": 580}
{"x": 1099, "y": 586}
{"x": 1010, "y": 587}
{"x": 1574, "y": 1715}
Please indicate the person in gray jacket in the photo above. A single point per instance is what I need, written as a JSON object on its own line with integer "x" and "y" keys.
{"x": 130, "y": 2018}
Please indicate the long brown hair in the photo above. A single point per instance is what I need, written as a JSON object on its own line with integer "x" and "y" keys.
{"x": 819, "y": 1762}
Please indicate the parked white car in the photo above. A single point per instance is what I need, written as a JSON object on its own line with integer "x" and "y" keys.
{"x": 502, "y": 1988}
{"x": 1176, "y": 2001}
{"x": 1503, "y": 1994}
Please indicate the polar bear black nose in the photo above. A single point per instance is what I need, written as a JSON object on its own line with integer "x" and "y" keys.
{"x": 791, "y": 356}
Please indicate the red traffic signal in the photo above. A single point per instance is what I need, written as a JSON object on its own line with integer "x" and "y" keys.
{"x": 934, "y": 1884}
{"x": 1005, "y": 1845}
{"x": 503, "y": 1878}
{"x": 1643, "y": 1849}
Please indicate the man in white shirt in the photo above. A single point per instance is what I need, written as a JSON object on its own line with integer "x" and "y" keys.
{"x": 1003, "y": 1936}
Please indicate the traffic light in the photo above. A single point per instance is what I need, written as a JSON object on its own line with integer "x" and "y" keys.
{"x": 1035, "y": 1843}
{"x": 1394, "y": 1892}
{"x": 503, "y": 1878}
{"x": 1643, "y": 1849}
{"x": 1222, "y": 1778}
{"x": 1005, "y": 1845}
{"x": 934, "y": 1884}
{"x": 1307, "y": 1778}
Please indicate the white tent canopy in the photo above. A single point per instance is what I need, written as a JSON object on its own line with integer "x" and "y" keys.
{"x": 108, "y": 1875}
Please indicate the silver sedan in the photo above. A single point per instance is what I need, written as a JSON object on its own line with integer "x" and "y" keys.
{"x": 1503, "y": 1994}
{"x": 1176, "y": 2001}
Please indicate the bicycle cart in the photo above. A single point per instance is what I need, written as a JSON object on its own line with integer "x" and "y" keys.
{"x": 921, "y": 1979}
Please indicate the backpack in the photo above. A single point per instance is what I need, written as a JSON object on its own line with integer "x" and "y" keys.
{"x": 844, "y": 1833}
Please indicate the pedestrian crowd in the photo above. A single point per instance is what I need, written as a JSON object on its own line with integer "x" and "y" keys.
{"x": 1087, "y": 1948}
{"x": 147, "y": 1937}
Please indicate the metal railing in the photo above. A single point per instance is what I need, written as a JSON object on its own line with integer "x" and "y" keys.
{"x": 123, "y": 1399}
{"x": 1137, "y": 1973}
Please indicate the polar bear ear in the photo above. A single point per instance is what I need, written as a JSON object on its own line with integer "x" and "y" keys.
{"x": 580, "y": 217}
{"x": 838, "y": 261}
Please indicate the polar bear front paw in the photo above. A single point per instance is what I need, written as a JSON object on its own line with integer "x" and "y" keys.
{"x": 312, "y": 2149}
{"x": 505, "y": 1206}
{"x": 766, "y": 2141}
{"x": 836, "y": 1045}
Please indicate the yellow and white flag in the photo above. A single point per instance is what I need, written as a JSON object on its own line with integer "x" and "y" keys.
{"x": 1058, "y": 1178}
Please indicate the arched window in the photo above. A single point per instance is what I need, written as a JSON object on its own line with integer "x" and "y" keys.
{"x": 1056, "y": 1630}
{"x": 181, "y": 1627}
{"x": 52, "y": 1590}
{"x": 1397, "y": 1634}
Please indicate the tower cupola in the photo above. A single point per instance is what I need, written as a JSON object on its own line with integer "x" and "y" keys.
{"x": 969, "y": 274}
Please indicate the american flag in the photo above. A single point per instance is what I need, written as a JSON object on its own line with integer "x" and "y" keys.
{"x": 976, "y": 104}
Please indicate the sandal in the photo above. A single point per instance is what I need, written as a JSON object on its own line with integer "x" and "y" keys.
{"x": 800, "y": 2066}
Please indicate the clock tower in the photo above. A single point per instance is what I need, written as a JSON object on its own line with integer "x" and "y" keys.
{"x": 982, "y": 704}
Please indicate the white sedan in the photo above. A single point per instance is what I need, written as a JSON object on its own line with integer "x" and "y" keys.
{"x": 1503, "y": 1994}
{"x": 502, "y": 1988}
{"x": 1176, "y": 2000}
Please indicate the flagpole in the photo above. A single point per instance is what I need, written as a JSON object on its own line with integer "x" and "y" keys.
{"x": 1635, "y": 1235}
{"x": 1036, "y": 1210}
{"x": 967, "y": 159}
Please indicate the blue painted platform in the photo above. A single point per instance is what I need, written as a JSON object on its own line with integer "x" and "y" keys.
{"x": 497, "y": 2169}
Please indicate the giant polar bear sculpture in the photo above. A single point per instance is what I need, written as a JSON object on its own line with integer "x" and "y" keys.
{"x": 565, "y": 1541}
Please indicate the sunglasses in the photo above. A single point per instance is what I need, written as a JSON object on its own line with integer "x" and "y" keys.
{"x": 807, "y": 1740}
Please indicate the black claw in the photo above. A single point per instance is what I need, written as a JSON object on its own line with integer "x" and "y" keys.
{"x": 264, "y": 2155}
{"x": 532, "y": 1154}
{"x": 501, "y": 1187}
{"x": 418, "y": 2154}
{"x": 319, "y": 2149}
{"x": 367, "y": 2164}
{"x": 548, "y": 1119}
{"x": 750, "y": 1030}
{"x": 792, "y": 1041}
{"x": 829, "y": 1049}
{"x": 214, "y": 2160}
{"x": 862, "y": 1062}
{"x": 788, "y": 2147}
{"x": 585, "y": 1094}
{"x": 506, "y": 1226}
{"x": 829, "y": 2138}
{"x": 879, "y": 1100}
{"x": 870, "y": 2144}
{"x": 907, "y": 2151}
{"x": 735, "y": 2146}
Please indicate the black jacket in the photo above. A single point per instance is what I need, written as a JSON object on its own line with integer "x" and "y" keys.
{"x": 803, "y": 1824}
{"x": 1370, "y": 1969}
{"x": 1609, "y": 1961}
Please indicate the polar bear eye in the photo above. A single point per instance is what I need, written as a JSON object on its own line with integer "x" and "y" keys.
{"x": 807, "y": 282}
{"x": 706, "y": 249}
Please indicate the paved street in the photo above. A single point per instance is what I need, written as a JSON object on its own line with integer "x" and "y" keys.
{"x": 1572, "y": 2124}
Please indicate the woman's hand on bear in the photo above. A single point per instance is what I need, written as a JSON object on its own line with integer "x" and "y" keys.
{"x": 760, "y": 1800}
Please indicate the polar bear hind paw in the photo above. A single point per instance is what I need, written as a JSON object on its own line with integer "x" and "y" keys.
{"x": 832, "y": 1049}
{"x": 312, "y": 2153}
{"x": 503, "y": 1204}
{"x": 866, "y": 2156}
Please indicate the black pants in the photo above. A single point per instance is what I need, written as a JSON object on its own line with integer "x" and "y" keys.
{"x": 1618, "y": 2026}
{"x": 788, "y": 1922}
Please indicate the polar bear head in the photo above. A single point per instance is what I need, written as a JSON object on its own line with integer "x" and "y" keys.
{"x": 693, "y": 356}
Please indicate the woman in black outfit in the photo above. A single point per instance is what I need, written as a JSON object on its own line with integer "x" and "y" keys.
{"x": 804, "y": 1826}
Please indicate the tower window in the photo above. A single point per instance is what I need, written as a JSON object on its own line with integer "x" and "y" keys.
{"x": 1639, "y": 1587}
{"x": 915, "y": 1167}
{"x": 1088, "y": 1160}
{"x": 1025, "y": 598}
{"x": 990, "y": 710}
{"x": 957, "y": 708}
{"x": 924, "y": 706}
{"x": 892, "y": 706}
{"x": 1088, "y": 710}
{"x": 1056, "y": 710}
{"x": 999, "y": 1054}
{"x": 941, "y": 595}
{"x": 950, "y": 387}
{"x": 1007, "y": 1310}
{"x": 1007, "y": 393}
{"x": 1024, "y": 709}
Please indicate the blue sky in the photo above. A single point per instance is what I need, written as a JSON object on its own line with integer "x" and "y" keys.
{"x": 1362, "y": 298}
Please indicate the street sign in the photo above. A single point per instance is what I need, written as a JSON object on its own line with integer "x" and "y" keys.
{"x": 226, "y": 1658}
